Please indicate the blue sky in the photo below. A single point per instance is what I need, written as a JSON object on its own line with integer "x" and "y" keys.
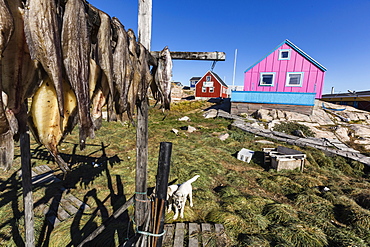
{"x": 334, "y": 33}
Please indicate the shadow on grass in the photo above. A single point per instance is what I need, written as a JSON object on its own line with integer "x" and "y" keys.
{"x": 220, "y": 104}
{"x": 83, "y": 174}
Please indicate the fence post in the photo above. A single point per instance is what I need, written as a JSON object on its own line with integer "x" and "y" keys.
{"x": 26, "y": 177}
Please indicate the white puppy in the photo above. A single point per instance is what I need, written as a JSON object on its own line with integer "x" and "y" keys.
{"x": 180, "y": 196}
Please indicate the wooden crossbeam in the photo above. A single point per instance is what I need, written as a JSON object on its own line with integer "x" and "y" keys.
{"x": 185, "y": 55}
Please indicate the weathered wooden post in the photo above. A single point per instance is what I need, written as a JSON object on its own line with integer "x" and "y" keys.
{"x": 145, "y": 23}
{"x": 26, "y": 177}
{"x": 141, "y": 200}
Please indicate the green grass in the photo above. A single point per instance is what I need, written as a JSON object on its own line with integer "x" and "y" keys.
{"x": 291, "y": 127}
{"x": 257, "y": 206}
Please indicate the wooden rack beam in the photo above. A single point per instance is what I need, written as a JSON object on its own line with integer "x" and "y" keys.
{"x": 185, "y": 55}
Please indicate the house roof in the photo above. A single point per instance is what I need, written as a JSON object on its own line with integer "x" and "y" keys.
{"x": 217, "y": 78}
{"x": 297, "y": 49}
{"x": 349, "y": 94}
{"x": 195, "y": 78}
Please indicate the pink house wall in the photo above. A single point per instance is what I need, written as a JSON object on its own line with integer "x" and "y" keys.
{"x": 313, "y": 77}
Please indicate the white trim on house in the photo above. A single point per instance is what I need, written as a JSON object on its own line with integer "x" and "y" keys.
{"x": 284, "y": 54}
{"x": 291, "y": 81}
{"x": 266, "y": 82}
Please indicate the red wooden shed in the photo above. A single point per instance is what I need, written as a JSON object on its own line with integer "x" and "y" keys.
{"x": 210, "y": 86}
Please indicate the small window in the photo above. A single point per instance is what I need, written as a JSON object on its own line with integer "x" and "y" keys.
{"x": 267, "y": 79}
{"x": 211, "y": 89}
{"x": 204, "y": 89}
{"x": 294, "y": 79}
{"x": 284, "y": 54}
{"x": 208, "y": 78}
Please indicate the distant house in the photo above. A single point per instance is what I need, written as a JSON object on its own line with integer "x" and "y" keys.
{"x": 177, "y": 83}
{"x": 359, "y": 100}
{"x": 194, "y": 81}
{"x": 210, "y": 86}
{"x": 286, "y": 76}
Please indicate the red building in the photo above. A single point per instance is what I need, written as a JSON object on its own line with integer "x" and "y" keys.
{"x": 210, "y": 86}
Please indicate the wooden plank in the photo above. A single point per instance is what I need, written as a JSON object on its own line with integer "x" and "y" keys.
{"x": 168, "y": 236}
{"x": 179, "y": 235}
{"x": 193, "y": 234}
{"x": 68, "y": 206}
{"x": 42, "y": 169}
{"x": 44, "y": 178}
{"x": 220, "y": 235}
{"x": 183, "y": 55}
{"x": 206, "y": 234}
{"x": 76, "y": 201}
{"x": 219, "y": 228}
{"x": 62, "y": 214}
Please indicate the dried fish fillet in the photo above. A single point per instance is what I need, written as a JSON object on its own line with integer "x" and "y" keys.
{"x": 42, "y": 29}
{"x": 46, "y": 124}
{"x": 163, "y": 77}
{"x": 122, "y": 67}
{"x": 76, "y": 58}
{"x": 6, "y": 134}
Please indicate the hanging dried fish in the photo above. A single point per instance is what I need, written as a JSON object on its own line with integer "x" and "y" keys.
{"x": 122, "y": 67}
{"x": 96, "y": 94}
{"x": 134, "y": 85}
{"x": 6, "y": 135}
{"x": 105, "y": 58}
{"x": 67, "y": 55}
{"x": 46, "y": 124}
{"x": 19, "y": 73}
{"x": 42, "y": 28}
{"x": 6, "y": 26}
{"x": 163, "y": 77}
{"x": 76, "y": 49}
{"x": 146, "y": 77}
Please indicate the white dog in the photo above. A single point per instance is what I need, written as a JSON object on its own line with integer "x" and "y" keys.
{"x": 180, "y": 196}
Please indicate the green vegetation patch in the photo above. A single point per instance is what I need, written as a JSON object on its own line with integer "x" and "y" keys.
{"x": 291, "y": 127}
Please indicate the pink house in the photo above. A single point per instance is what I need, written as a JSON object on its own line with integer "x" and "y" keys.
{"x": 286, "y": 76}
{"x": 286, "y": 69}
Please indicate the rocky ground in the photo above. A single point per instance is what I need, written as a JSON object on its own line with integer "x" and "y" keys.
{"x": 351, "y": 126}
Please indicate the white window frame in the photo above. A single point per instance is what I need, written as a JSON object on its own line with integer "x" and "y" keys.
{"x": 208, "y": 78}
{"x": 211, "y": 89}
{"x": 267, "y": 73}
{"x": 287, "y": 82}
{"x": 204, "y": 89}
{"x": 284, "y": 50}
